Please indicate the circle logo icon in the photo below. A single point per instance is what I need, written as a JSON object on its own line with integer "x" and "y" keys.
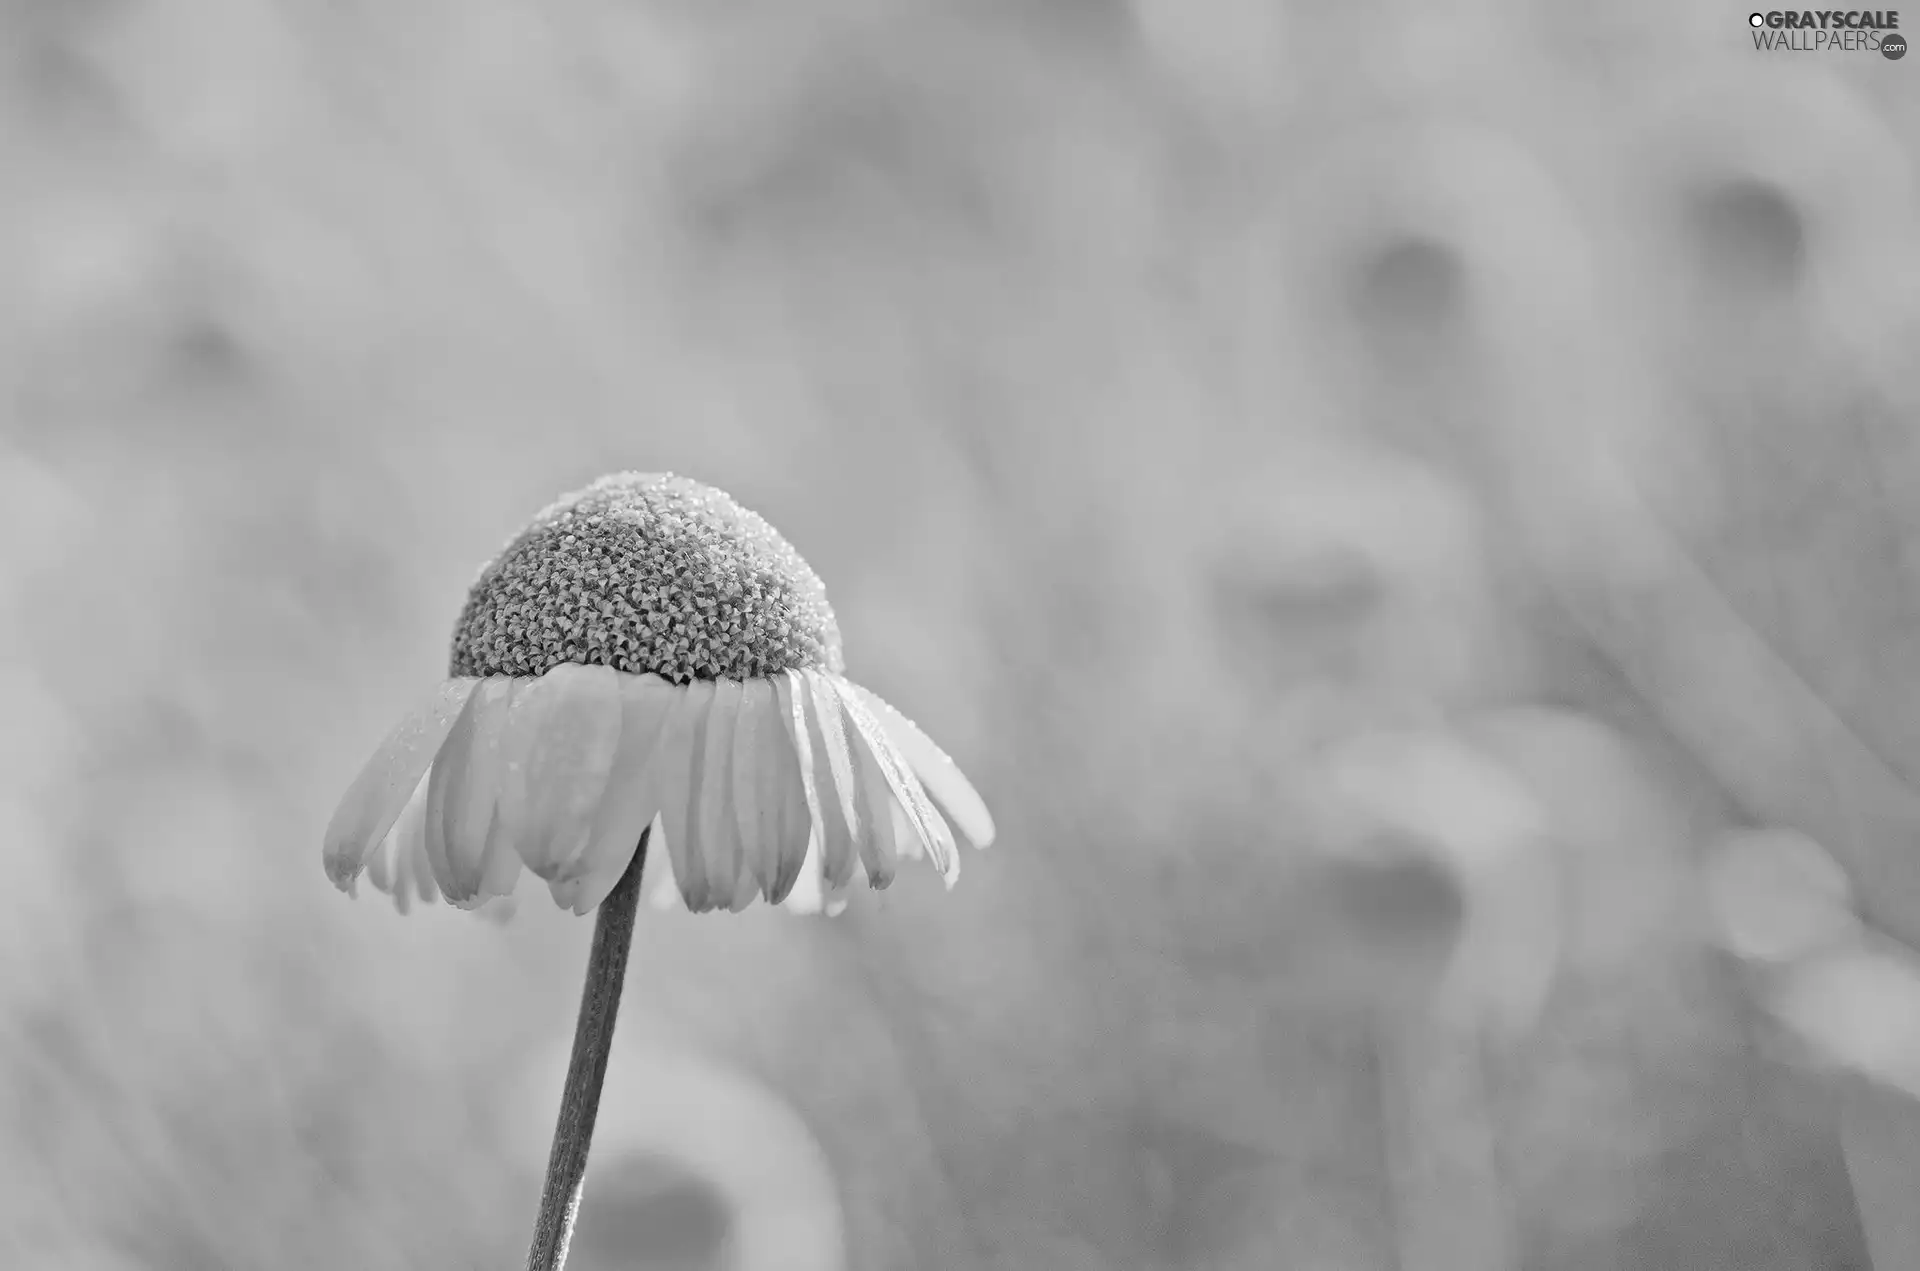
{"x": 1756, "y": 19}
{"x": 1893, "y": 47}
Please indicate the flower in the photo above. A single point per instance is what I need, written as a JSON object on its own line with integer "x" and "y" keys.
{"x": 1777, "y": 897}
{"x": 1428, "y": 792}
{"x": 647, "y": 653}
{"x": 674, "y": 1114}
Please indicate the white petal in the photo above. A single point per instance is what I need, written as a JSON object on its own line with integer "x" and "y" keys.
{"x": 500, "y": 865}
{"x": 384, "y": 863}
{"x": 801, "y": 821}
{"x": 380, "y": 862}
{"x": 879, "y": 852}
{"x": 401, "y": 889}
{"x": 758, "y": 742}
{"x": 713, "y": 789}
{"x": 662, "y": 889}
{"x": 450, "y": 780}
{"x": 945, "y": 784}
{"x": 422, "y": 870}
{"x": 647, "y": 704}
{"x": 405, "y": 851}
{"x": 837, "y": 780}
{"x": 563, "y": 731}
{"x": 670, "y": 777}
{"x": 433, "y": 842}
{"x": 461, "y": 790}
{"x": 906, "y": 835}
{"x": 374, "y": 800}
{"x": 929, "y": 832}
{"x": 808, "y": 893}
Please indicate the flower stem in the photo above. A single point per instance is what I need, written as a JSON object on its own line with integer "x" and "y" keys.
{"x": 587, "y": 1068}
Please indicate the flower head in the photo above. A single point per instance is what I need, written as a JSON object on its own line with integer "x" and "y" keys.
{"x": 647, "y": 653}
{"x": 647, "y": 573}
{"x": 1426, "y": 825}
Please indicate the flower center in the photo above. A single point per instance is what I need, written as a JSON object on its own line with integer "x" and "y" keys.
{"x": 647, "y": 572}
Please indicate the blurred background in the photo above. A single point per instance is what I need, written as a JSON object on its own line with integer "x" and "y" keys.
{"x": 1408, "y": 512}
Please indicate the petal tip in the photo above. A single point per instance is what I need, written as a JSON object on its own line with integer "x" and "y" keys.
{"x": 344, "y": 873}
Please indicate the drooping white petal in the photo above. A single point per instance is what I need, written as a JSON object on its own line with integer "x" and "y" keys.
{"x": 801, "y": 821}
{"x": 835, "y": 776}
{"x": 525, "y": 711}
{"x": 563, "y": 730}
{"x": 879, "y": 852}
{"x": 808, "y": 894}
{"x": 461, "y": 790}
{"x": 433, "y": 842}
{"x": 661, "y": 887}
{"x": 713, "y": 787}
{"x": 423, "y": 885}
{"x": 945, "y": 849}
{"x": 629, "y": 805}
{"x": 400, "y": 884}
{"x": 756, "y": 803}
{"x": 930, "y": 834}
{"x": 383, "y": 865}
{"x": 906, "y": 836}
{"x": 405, "y": 850}
{"x": 908, "y": 840}
{"x": 500, "y": 865}
{"x": 459, "y": 799}
{"x": 374, "y": 801}
{"x": 945, "y": 784}
{"x": 433, "y": 848}
{"x": 380, "y": 862}
{"x": 671, "y": 779}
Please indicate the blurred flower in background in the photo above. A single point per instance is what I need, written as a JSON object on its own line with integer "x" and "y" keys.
{"x": 1506, "y": 403}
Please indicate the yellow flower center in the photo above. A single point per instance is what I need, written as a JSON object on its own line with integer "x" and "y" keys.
{"x": 647, "y": 572}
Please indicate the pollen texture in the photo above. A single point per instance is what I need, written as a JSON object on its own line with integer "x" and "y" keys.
{"x": 647, "y": 572}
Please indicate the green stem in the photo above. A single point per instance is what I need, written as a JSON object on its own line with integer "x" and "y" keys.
{"x": 587, "y": 1068}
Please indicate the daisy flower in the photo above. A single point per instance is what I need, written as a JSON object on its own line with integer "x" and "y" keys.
{"x": 646, "y": 656}
{"x": 649, "y": 653}
{"x": 1478, "y": 825}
